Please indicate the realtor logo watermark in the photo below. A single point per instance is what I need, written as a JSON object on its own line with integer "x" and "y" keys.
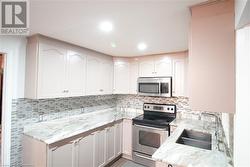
{"x": 14, "y": 17}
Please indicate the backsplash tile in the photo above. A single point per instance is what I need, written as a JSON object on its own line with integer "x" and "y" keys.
{"x": 28, "y": 111}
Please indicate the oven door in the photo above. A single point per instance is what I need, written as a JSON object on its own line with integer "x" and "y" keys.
{"x": 148, "y": 139}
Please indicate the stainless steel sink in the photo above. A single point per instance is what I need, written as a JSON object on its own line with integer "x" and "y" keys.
{"x": 195, "y": 139}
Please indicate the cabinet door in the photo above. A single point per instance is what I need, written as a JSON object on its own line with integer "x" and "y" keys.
{"x": 93, "y": 76}
{"x": 51, "y": 72}
{"x": 106, "y": 76}
{"x": 118, "y": 139}
{"x": 86, "y": 152}
{"x": 61, "y": 156}
{"x": 121, "y": 77}
{"x": 76, "y": 68}
{"x": 100, "y": 149}
{"x": 127, "y": 137}
{"x": 110, "y": 143}
{"x": 133, "y": 71}
{"x": 147, "y": 68}
{"x": 179, "y": 77}
{"x": 163, "y": 67}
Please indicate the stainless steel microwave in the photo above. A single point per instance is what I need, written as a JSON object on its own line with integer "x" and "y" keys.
{"x": 155, "y": 86}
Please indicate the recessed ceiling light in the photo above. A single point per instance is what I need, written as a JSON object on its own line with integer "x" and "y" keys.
{"x": 141, "y": 46}
{"x": 113, "y": 45}
{"x": 106, "y": 26}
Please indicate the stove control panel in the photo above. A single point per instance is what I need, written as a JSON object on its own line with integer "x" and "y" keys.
{"x": 169, "y": 108}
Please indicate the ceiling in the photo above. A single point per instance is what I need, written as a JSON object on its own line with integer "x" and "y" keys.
{"x": 162, "y": 25}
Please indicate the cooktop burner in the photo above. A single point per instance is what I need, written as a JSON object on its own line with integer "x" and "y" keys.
{"x": 156, "y": 115}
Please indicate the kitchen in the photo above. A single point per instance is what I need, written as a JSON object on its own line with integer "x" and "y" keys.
{"x": 96, "y": 91}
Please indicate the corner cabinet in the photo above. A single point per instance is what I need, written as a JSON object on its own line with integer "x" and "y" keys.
{"x": 96, "y": 149}
{"x": 125, "y": 75}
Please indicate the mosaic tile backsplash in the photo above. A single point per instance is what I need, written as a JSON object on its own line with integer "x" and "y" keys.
{"x": 27, "y": 111}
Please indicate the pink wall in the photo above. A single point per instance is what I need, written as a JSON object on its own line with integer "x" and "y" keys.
{"x": 212, "y": 57}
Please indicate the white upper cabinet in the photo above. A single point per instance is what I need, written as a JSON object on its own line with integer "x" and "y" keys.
{"x": 147, "y": 68}
{"x": 99, "y": 76}
{"x": 106, "y": 84}
{"x": 76, "y": 69}
{"x": 133, "y": 73}
{"x": 163, "y": 66}
{"x": 93, "y": 76}
{"x": 155, "y": 67}
{"x": 125, "y": 76}
{"x": 121, "y": 77}
{"x": 51, "y": 71}
{"x": 180, "y": 77}
{"x": 56, "y": 69}
{"x": 127, "y": 71}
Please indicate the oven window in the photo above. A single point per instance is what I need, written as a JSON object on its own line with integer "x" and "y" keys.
{"x": 149, "y": 88}
{"x": 149, "y": 139}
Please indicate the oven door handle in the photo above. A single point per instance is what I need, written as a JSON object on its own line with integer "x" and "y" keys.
{"x": 149, "y": 127}
{"x": 141, "y": 156}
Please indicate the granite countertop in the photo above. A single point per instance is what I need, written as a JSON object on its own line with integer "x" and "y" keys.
{"x": 55, "y": 130}
{"x": 173, "y": 153}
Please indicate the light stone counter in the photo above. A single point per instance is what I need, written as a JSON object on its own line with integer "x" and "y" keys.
{"x": 52, "y": 131}
{"x": 173, "y": 153}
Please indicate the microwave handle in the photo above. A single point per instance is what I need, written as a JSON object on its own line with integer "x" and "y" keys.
{"x": 159, "y": 88}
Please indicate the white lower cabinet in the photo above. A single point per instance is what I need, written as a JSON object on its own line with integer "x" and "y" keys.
{"x": 94, "y": 150}
{"x": 100, "y": 149}
{"x": 118, "y": 139}
{"x": 127, "y": 141}
{"x": 85, "y": 152}
{"x": 62, "y": 156}
{"x": 110, "y": 143}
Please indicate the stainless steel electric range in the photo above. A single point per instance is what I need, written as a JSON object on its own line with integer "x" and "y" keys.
{"x": 150, "y": 130}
